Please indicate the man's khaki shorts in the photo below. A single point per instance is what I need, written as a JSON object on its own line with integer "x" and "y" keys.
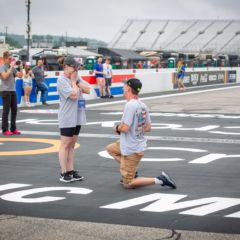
{"x": 129, "y": 164}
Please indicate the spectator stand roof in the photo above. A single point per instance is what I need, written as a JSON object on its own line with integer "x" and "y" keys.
{"x": 121, "y": 53}
{"x": 213, "y": 36}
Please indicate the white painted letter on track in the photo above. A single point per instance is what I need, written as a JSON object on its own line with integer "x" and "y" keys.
{"x": 169, "y": 202}
{"x": 21, "y": 196}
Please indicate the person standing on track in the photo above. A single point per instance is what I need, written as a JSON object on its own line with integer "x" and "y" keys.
{"x": 98, "y": 70}
{"x": 180, "y": 75}
{"x": 27, "y": 83}
{"x": 71, "y": 116}
{"x": 8, "y": 72}
{"x": 38, "y": 72}
{"x": 129, "y": 150}
{"x": 107, "y": 69}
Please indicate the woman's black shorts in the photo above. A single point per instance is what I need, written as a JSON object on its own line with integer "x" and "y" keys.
{"x": 70, "y": 132}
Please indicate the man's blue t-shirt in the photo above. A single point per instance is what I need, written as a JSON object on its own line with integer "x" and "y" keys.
{"x": 38, "y": 73}
{"x": 99, "y": 68}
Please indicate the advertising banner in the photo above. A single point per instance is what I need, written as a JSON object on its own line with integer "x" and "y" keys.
{"x": 192, "y": 79}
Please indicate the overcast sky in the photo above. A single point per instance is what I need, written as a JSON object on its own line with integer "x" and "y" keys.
{"x": 101, "y": 19}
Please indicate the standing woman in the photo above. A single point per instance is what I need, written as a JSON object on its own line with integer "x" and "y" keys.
{"x": 27, "y": 82}
{"x": 98, "y": 70}
{"x": 71, "y": 116}
{"x": 180, "y": 75}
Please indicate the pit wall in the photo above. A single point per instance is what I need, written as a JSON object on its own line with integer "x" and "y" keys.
{"x": 153, "y": 80}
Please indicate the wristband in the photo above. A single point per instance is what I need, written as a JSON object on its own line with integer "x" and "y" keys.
{"x": 117, "y": 129}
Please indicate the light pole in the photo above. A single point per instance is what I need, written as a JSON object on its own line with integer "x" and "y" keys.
{"x": 28, "y": 3}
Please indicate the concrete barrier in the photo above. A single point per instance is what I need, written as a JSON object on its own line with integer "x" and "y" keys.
{"x": 154, "y": 80}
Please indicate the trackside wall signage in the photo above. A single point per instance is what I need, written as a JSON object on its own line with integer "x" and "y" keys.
{"x": 192, "y": 79}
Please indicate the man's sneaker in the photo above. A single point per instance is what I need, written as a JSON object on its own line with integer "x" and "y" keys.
{"x": 65, "y": 177}
{"x": 7, "y": 133}
{"x": 46, "y": 104}
{"x": 111, "y": 96}
{"x": 16, "y": 132}
{"x": 136, "y": 176}
{"x": 75, "y": 175}
{"x": 167, "y": 181}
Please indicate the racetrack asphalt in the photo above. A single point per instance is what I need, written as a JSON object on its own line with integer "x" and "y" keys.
{"x": 195, "y": 138}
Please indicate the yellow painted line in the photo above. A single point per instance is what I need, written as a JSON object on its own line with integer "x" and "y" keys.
{"x": 55, "y": 144}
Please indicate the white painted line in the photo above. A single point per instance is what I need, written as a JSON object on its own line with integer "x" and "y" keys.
{"x": 225, "y": 133}
{"x": 109, "y": 124}
{"x": 181, "y": 115}
{"x": 153, "y": 138}
{"x": 40, "y": 111}
{"x": 40, "y": 133}
{"x": 105, "y": 104}
{"x": 163, "y": 96}
{"x": 190, "y": 139}
{"x": 105, "y": 154}
{"x": 25, "y": 120}
{"x": 52, "y": 93}
{"x": 212, "y": 157}
{"x": 177, "y": 149}
{"x": 161, "y": 159}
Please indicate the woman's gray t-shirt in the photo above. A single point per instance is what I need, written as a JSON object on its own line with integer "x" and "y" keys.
{"x": 9, "y": 83}
{"x": 70, "y": 113}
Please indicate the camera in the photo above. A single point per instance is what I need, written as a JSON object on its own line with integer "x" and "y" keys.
{"x": 18, "y": 65}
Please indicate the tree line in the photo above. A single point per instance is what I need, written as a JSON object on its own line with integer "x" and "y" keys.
{"x": 18, "y": 41}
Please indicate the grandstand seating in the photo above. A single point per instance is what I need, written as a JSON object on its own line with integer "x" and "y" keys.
{"x": 211, "y": 36}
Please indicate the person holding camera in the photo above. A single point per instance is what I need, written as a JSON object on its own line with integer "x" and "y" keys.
{"x": 27, "y": 82}
{"x": 71, "y": 116}
{"x": 8, "y": 72}
{"x": 129, "y": 151}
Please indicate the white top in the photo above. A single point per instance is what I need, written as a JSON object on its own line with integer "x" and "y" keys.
{"x": 107, "y": 69}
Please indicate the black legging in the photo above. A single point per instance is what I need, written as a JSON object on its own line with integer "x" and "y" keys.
{"x": 9, "y": 100}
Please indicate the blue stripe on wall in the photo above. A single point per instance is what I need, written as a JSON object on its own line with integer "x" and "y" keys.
{"x": 114, "y": 91}
{"x": 33, "y": 97}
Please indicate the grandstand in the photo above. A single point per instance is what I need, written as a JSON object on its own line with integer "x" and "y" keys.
{"x": 195, "y": 36}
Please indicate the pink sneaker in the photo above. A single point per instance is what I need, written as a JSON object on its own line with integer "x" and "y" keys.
{"x": 7, "y": 133}
{"x": 16, "y": 132}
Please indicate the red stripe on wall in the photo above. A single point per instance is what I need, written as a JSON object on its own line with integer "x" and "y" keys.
{"x": 116, "y": 78}
{"x": 122, "y": 77}
{"x": 89, "y": 79}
